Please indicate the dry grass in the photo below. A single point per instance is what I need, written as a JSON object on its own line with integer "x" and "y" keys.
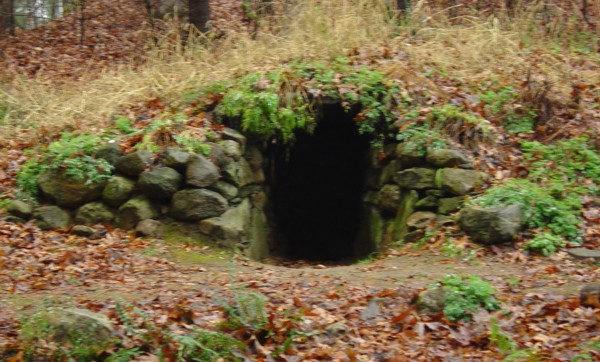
{"x": 473, "y": 49}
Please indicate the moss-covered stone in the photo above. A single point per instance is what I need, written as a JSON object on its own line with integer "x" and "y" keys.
{"x": 160, "y": 183}
{"x": 457, "y": 181}
{"x": 67, "y": 192}
{"x": 94, "y": 213}
{"x": 197, "y": 204}
{"x": 51, "y": 217}
{"x": 416, "y": 178}
{"x": 135, "y": 210}
{"x": 134, "y": 163}
{"x": 19, "y": 209}
{"x": 118, "y": 190}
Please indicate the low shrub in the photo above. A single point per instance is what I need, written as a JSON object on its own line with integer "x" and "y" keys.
{"x": 465, "y": 295}
{"x": 545, "y": 243}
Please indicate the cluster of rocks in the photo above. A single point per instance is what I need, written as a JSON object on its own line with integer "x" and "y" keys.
{"x": 219, "y": 195}
{"x": 411, "y": 193}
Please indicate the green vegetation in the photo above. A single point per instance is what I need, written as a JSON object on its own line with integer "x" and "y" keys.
{"x": 545, "y": 243}
{"x": 559, "y": 174}
{"x": 196, "y": 345}
{"x": 465, "y": 295}
{"x": 72, "y": 156}
{"x": 567, "y": 168}
{"x": 541, "y": 209}
{"x": 278, "y": 103}
{"x": 123, "y": 124}
{"x": 504, "y": 104}
{"x": 416, "y": 139}
{"x": 187, "y": 141}
{"x": 246, "y": 311}
{"x": 206, "y": 346}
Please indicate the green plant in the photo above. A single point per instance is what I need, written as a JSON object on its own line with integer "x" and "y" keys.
{"x": 540, "y": 208}
{"x": 192, "y": 144}
{"x": 204, "y": 345}
{"x": 460, "y": 126}
{"x": 268, "y": 105}
{"x": 545, "y": 243}
{"x": 123, "y": 124}
{"x": 416, "y": 139}
{"x": 504, "y": 103}
{"x": 278, "y": 103}
{"x": 124, "y": 355}
{"x": 501, "y": 340}
{"x": 566, "y": 167}
{"x": 71, "y": 156}
{"x": 246, "y": 311}
{"x": 465, "y": 295}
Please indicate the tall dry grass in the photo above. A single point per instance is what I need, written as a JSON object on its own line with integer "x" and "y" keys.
{"x": 472, "y": 48}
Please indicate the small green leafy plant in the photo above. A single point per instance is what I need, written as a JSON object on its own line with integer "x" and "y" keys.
{"x": 192, "y": 144}
{"x": 71, "y": 156}
{"x": 466, "y": 294}
{"x": 416, "y": 139}
{"x": 246, "y": 311}
{"x": 545, "y": 243}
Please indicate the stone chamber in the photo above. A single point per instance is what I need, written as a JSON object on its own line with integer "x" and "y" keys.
{"x": 328, "y": 196}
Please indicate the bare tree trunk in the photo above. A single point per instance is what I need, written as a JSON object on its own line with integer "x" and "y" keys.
{"x": 7, "y": 23}
{"x": 199, "y": 14}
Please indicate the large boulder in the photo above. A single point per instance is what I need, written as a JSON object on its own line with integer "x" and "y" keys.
{"x": 232, "y": 149}
{"x": 448, "y": 205}
{"x": 409, "y": 154}
{"x": 175, "y": 158}
{"x": 94, "y": 213}
{"x": 197, "y": 204}
{"x": 448, "y": 158}
{"x": 135, "y": 210}
{"x": 150, "y": 228}
{"x": 492, "y": 225}
{"x": 51, "y": 217}
{"x": 416, "y": 178}
{"x": 110, "y": 152}
{"x": 229, "y": 228}
{"x": 67, "y": 192}
{"x": 160, "y": 183}
{"x": 19, "y": 209}
{"x": 118, "y": 190}
{"x": 201, "y": 172}
{"x": 134, "y": 163}
{"x": 457, "y": 181}
{"x": 231, "y": 134}
{"x": 239, "y": 173}
{"x": 226, "y": 189}
{"x": 75, "y": 326}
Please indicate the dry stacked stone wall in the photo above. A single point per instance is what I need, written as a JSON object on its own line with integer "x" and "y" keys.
{"x": 223, "y": 196}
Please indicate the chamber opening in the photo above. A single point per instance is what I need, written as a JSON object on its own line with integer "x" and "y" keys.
{"x": 317, "y": 189}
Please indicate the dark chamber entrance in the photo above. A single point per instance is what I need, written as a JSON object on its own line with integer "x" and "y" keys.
{"x": 317, "y": 190}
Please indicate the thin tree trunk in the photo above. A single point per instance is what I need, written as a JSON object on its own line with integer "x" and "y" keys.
{"x": 7, "y": 22}
{"x": 199, "y": 14}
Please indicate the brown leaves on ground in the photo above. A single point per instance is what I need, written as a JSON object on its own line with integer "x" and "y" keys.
{"x": 333, "y": 318}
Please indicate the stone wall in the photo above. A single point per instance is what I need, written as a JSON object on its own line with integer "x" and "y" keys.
{"x": 411, "y": 192}
{"x": 219, "y": 195}
{"x": 224, "y": 196}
